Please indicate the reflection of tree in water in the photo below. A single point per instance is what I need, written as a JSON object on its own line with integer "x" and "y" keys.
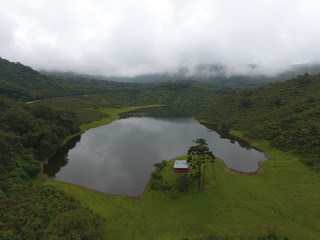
{"x": 226, "y": 135}
{"x": 165, "y": 112}
{"x": 183, "y": 112}
{"x": 60, "y": 158}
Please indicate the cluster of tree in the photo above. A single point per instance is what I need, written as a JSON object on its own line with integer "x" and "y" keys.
{"x": 183, "y": 93}
{"x": 174, "y": 93}
{"x": 42, "y": 212}
{"x": 198, "y": 155}
{"x": 174, "y": 184}
{"x": 180, "y": 92}
{"x": 87, "y": 107}
{"x": 157, "y": 181}
{"x": 285, "y": 113}
{"x": 28, "y": 135}
{"x": 23, "y": 83}
{"x": 181, "y": 183}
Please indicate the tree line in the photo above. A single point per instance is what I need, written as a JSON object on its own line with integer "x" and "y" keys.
{"x": 285, "y": 113}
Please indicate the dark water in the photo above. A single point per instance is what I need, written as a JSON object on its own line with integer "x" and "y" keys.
{"x": 118, "y": 158}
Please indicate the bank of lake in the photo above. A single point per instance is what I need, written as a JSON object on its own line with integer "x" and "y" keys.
{"x": 283, "y": 197}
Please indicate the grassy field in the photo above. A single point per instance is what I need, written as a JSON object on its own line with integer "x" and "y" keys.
{"x": 284, "y": 196}
{"x": 90, "y": 110}
{"x": 111, "y": 114}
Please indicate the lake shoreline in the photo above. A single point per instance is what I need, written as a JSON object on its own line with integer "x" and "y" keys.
{"x": 275, "y": 187}
{"x": 229, "y": 169}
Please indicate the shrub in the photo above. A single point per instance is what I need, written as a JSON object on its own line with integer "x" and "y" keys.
{"x": 156, "y": 175}
{"x": 75, "y": 224}
{"x": 183, "y": 183}
{"x": 161, "y": 165}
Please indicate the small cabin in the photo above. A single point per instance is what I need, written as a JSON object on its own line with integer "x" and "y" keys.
{"x": 181, "y": 166}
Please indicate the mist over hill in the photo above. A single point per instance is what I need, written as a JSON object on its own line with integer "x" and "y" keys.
{"x": 216, "y": 74}
{"x": 246, "y": 68}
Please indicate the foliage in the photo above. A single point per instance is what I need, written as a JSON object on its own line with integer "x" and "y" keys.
{"x": 285, "y": 113}
{"x": 29, "y": 212}
{"x": 177, "y": 185}
{"x": 184, "y": 182}
{"x": 23, "y": 83}
{"x": 89, "y": 107}
{"x": 197, "y": 156}
{"x": 156, "y": 179}
{"x": 161, "y": 165}
{"x": 29, "y": 134}
{"x": 75, "y": 224}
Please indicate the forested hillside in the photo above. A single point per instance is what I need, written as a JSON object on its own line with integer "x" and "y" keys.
{"x": 30, "y": 133}
{"x": 180, "y": 92}
{"x": 87, "y": 107}
{"x": 285, "y": 113}
{"x": 23, "y": 83}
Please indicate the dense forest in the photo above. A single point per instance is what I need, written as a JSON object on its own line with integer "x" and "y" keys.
{"x": 30, "y": 133}
{"x": 285, "y": 113}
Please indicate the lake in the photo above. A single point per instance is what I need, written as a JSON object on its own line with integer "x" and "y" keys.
{"x": 118, "y": 158}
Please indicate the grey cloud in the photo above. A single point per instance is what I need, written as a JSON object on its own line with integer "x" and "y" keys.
{"x": 129, "y": 37}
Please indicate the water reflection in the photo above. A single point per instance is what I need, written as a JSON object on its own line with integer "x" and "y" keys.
{"x": 166, "y": 112}
{"x": 118, "y": 158}
{"x": 225, "y": 135}
{"x": 60, "y": 158}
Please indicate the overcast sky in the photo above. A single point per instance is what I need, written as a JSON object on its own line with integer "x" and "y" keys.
{"x": 129, "y": 37}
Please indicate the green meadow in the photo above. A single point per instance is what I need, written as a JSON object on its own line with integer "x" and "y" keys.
{"x": 283, "y": 196}
{"x": 111, "y": 114}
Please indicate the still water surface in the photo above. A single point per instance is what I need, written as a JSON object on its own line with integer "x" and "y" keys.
{"x": 118, "y": 158}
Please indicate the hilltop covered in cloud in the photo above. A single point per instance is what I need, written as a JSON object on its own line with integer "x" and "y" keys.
{"x": 128, "y": 38}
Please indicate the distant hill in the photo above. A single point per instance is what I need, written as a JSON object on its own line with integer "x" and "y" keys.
{"x": 23, "y": 83}
{"x": 215, "y": 74}
{"x": 20, "y": 82}
{"x": 285, "y": 113}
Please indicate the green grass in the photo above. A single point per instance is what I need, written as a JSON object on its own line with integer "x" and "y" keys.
{"x": 112, "y": 114}
{"x": 91, "y": 110}
{"x": 284, "y": 197}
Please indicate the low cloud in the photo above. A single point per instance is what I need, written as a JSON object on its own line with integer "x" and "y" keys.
{"x": 130, "y": 37}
